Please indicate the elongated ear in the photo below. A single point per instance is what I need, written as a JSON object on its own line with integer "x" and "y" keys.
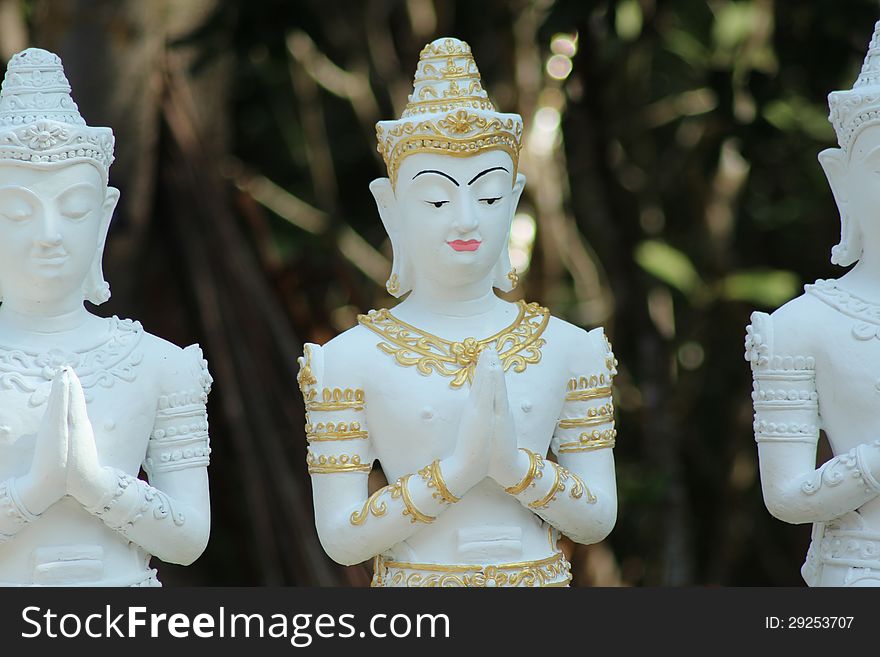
{"x": 399, "y": 282}
{"x": 95, "y": 288}
{"x": 383, "y": 193}
{"x": 849, "y": 249}
{"x": 833, "y": 161}
{"x": 501, "y": 274}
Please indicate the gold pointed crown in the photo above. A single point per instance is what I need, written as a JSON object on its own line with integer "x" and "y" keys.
{"x": 39, "y": 122}
{"x": 856, "y": 108}
{"x": 448, "y": 112}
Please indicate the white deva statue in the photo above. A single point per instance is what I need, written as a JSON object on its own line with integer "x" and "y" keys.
{"x": 457, "y": 393}
{"x": 816, "y": 365}
{"x": 84, "y": 401}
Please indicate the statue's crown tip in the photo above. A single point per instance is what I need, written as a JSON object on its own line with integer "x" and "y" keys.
{"x": 445, "y": 47}
{"x": 38, "y": 118}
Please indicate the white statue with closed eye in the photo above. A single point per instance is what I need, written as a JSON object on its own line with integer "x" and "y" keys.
{"x": 816, "y": 365}
{"x": 85, "y": 402}
{"x": 457, "y": 393}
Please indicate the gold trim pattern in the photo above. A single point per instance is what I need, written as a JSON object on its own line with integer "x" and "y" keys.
{"x": 553, "y": 571}
{"x": 518, "y": 345}
{"x": 335, "y": 399}
{"x": 586, "y": 388}
{"x": 535, "y": 471}
{"x": 561, "y": 475}
{"x": 379, "y": 508}
{"x": 434, "y": 479}
{"x": 595, "y": 416}
{"x": 332, "y": 464}
{"x": 588, "y": 442}
{"x": 306, "y": 378}
{"x": 325, "y": 432}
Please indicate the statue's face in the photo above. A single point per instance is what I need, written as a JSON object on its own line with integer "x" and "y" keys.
{"x": 50, "y": 229}
{"x": 454, "y": 213}
{"x": 862, "y": 185}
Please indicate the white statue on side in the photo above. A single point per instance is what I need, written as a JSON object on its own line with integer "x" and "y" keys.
{"x": 816, "y": 365}
{"x": 457, "y": 393}
{"x": 84, "y": 401}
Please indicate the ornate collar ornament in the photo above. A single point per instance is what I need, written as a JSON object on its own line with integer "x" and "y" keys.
{"x": 518, "y": 345}
{"x": 40, "y": 123}
{"x": 866, "y": 313}
{"x": 854, "y": 109}
{"x": 115, "y": 357}
{"x": 448, "y": 112}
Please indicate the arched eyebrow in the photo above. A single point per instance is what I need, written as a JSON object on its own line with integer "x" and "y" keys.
{"x": 445, "y": 175}
{"x": 483, "y": 173}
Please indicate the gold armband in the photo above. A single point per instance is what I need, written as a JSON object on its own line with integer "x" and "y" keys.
{"x": 536, "y": 466}
{"x": 341, "y": 431}
{"x": 586, "y": 388}
{"x": 588, "y": 442}
{"x": 332, "y": 464}
{"x": 434, "y": 479}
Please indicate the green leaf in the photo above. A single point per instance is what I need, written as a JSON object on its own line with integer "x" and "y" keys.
{"x": 764, "y": 287}
{"x": 669, "y": 265}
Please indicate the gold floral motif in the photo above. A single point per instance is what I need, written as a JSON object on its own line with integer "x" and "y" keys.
{"x": 551, "y": 571}
{"x": 588, "y": 442}
{"x": 323, "y": 432}
{"x": 434, "y": 479}
{"x": 374, "y": 505}
{"x": 535, "y": 471}
{"x": 595, "y": 416}
{"x": 335, "y": 399}
{"x": 518, "y": 345}
{"x": 561, "y": 475}
{"x": 331, "y": 464}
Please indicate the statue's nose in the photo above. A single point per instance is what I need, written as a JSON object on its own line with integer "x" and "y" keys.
{"x": 49, "y": 233}
{"x": 466, "y": 219}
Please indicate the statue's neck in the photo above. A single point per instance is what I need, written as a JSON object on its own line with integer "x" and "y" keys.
{"x": 430, "y": 299}
{"x": 864, "y": 278}
{"x": 19, "y": 316}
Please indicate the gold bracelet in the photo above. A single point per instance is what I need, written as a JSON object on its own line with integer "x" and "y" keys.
{"x": 536, "y": 465}
{"x": 434, "y": 479}
{"x": 551, "y": 494}
{"x": 410, "y": 509}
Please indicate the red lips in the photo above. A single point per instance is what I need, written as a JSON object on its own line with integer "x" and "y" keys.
{"x": 462, "y": 245}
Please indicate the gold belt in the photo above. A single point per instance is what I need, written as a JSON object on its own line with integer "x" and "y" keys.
{"x": 551, "y": 571}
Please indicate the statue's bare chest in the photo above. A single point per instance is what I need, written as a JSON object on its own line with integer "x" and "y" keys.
{"x": 414, "y": 418}
{"x": 119, "y": 387}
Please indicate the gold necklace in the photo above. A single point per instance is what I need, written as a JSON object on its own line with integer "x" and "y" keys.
{"x": 518, "y": 345}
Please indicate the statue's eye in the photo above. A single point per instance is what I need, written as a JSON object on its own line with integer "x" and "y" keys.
{"x": 78, "y": 201}
{"x": 437, "y": 204}
{"x": 491, "y": 200}
{"x": 14, "y": 207}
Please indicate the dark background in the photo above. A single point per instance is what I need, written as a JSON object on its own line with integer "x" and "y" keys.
{"x": 672, "y": 179}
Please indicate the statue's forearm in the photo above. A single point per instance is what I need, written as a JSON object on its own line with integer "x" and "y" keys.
{"x": 354, "y": 532}
{"x": 171, "y": 529}
{"x": 583, "y": 511}
{"x": 842, "y": 484}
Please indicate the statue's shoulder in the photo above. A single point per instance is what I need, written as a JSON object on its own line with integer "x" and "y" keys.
{"x": 179, "y": 368}
{"x": 790, "y": 330}
{"x": 588, "y": 351}
{"x": 341, "y": 361}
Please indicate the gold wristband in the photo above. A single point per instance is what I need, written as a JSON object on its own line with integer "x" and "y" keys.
{"x": 434, "y": 479}
{"x": 551, "y": 494}
{"x": 536, "y": 464}
{"x": 410, "y": 509}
